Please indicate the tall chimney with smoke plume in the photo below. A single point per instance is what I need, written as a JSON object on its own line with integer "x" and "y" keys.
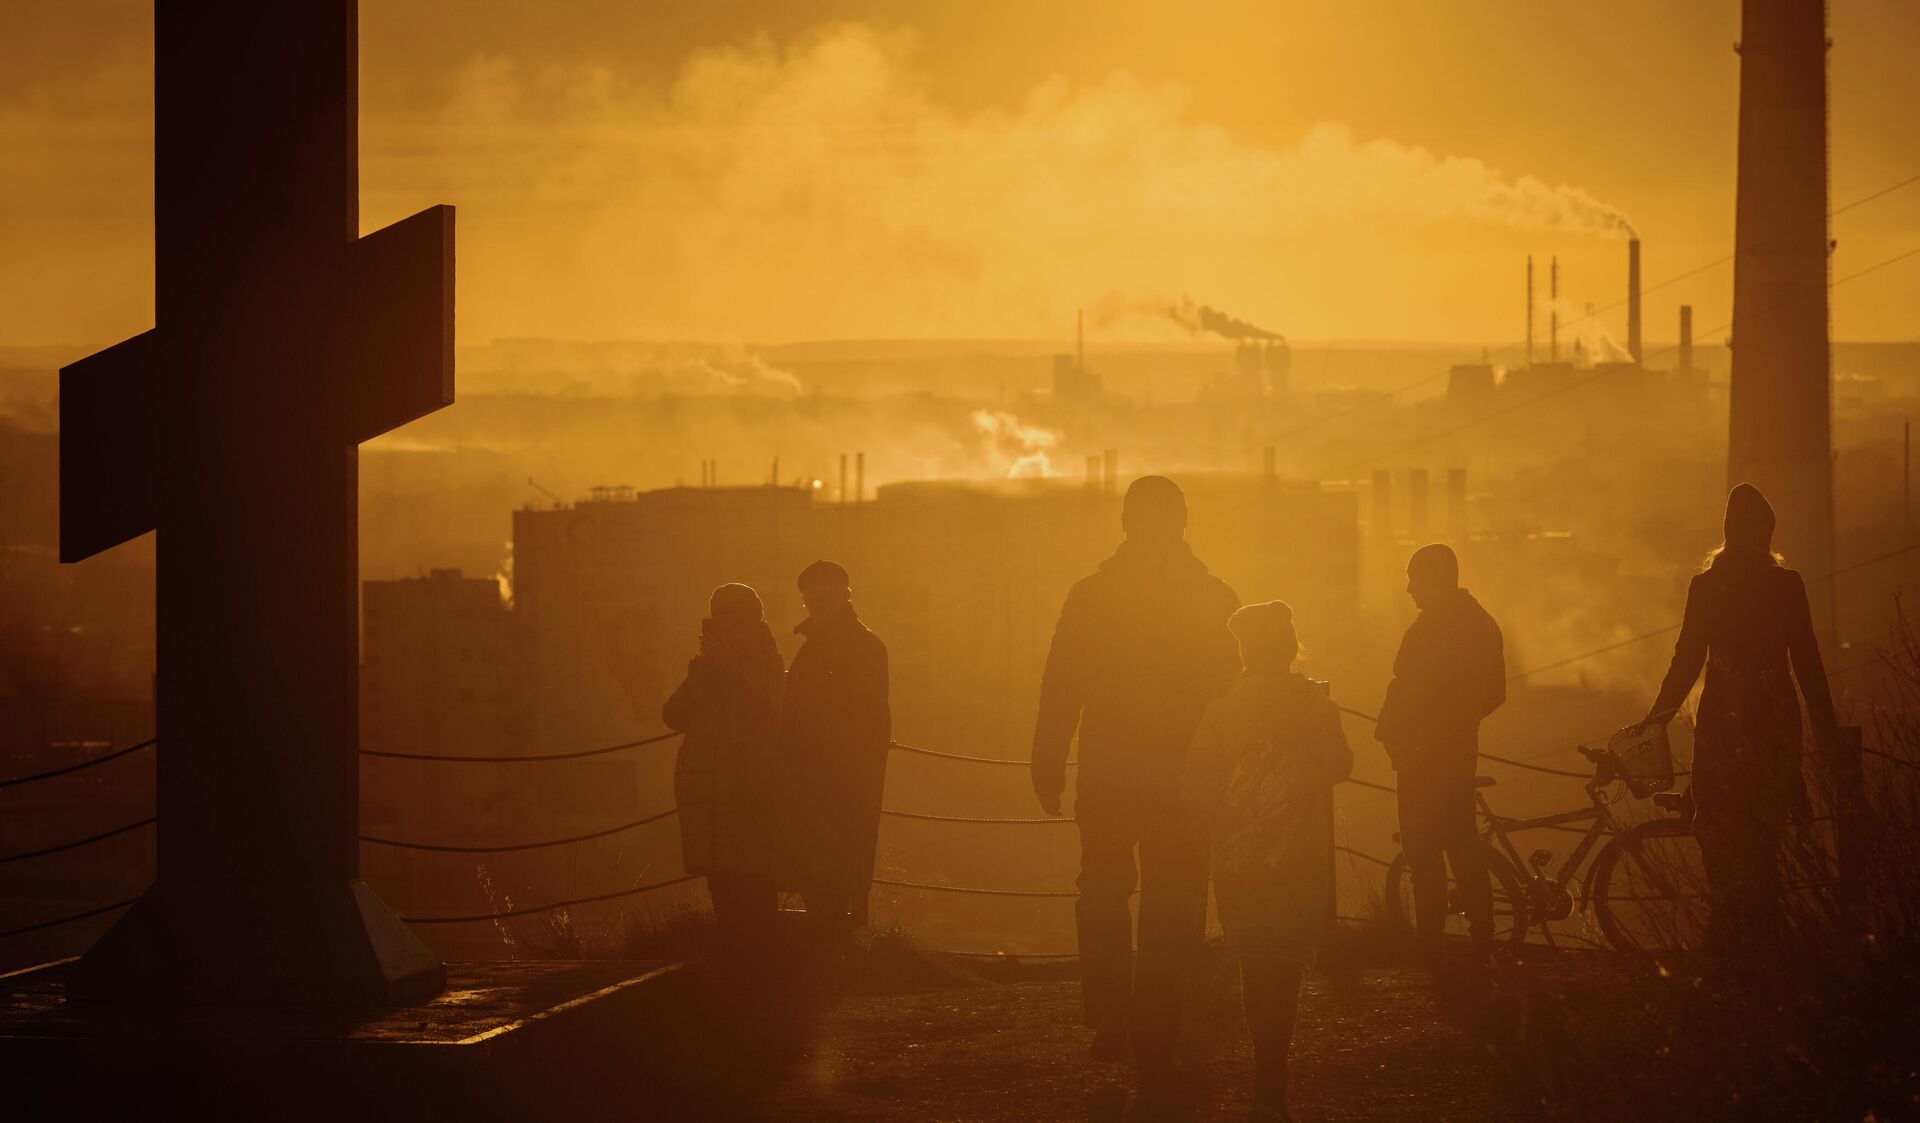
{"x": 1633, "y": 299}
{"x": 1780, "y": 435}
{"x": 1686, "y": 337}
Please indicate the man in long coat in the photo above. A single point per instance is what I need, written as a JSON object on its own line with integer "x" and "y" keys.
{"x": 1450, "y": 674}
{"x": 837, "y": 727}
{"x": 1141, "y": 649}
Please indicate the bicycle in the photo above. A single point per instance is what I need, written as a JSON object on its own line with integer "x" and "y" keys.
{"x": 1647, "y": 885}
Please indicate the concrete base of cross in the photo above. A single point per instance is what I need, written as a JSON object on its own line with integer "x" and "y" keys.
{"x": 333, "y": 945}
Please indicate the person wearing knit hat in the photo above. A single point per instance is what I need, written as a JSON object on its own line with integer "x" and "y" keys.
{"x": 1141, "y": 648}
{"x": 835, "y": 735}
{"x": 724, "y": 771}
{"x": 1748, "y": 624}
{"x": 1450, "y": 673}
{"x": 1258, "y": 782}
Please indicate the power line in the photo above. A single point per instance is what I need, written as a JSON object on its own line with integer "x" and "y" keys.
{"x": 1591, "y": 314}
{"x": 1598, "y": 374}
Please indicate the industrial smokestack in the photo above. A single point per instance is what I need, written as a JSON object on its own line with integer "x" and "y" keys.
{"x": 843, "y": 479}
{"x": 1686, "y": 337}
{"x": 860, "y": 477}
{"x": 1779, "y": 433}
{"x": 1457, "y": 503}
{"x": 1633, "y": 299}
{"x": 1553, "y": 310}
{"x": 1529, "y": 309}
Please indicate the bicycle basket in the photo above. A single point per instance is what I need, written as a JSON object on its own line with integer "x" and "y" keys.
{"x": 1646, "y": 759}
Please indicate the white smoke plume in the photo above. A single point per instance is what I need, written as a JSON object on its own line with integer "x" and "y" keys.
{"x": 819, "y": 186}
{"x": 1580, "y": 325}
{"x": 1022, "y": 448}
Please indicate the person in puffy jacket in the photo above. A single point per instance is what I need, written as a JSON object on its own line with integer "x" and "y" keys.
{"x": 1257, "y": 783}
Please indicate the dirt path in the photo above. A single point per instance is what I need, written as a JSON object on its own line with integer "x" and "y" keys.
{"x": 1377, "y": 1045}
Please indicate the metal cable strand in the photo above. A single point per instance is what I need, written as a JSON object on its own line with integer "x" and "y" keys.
{"x": 968, "y": 819}
{"x": 1536, "y": 767}
{"x": 48, "y": 775}
{"x": 67, "y": 919}
{"x": 1361, "y": 854}
{"x": 968, "y": 759}
{"x": 982, "y": 892}
{"x": 1008, "y": 954}
{"x": 667, "y": 814}
{"x": 78, "y": 842}
{"x": 1372, "y": 785}
{"x": 531, "y": 909}
{"x": 521, "y": 759}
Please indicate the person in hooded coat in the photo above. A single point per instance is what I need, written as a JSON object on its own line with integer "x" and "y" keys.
{"x": 1141, "y": 648}
{"x": 1451, "y": 673}
{"x": 1749, "y": 625}
{"x": 837, "y": 728}
{"x": 1258, "y": 779}
{"x": 724, "y": 776}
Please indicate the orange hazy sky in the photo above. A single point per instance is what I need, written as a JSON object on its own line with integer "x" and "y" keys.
{"x": 1374, "y": 169}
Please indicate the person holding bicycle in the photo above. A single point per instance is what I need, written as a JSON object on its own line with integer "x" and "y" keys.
{"x": 1451, "y": 673}
{"x": 1749, "y": 625}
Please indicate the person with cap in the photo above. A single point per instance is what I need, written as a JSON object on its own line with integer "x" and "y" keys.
{"x": 1450, "y": 674}
{"x": 837, "y": 727}
{"x": 1748, "y": 624}
{"x": 724, "y": 775}
{"x": 1141, "y": 649}
{"x": 1258, "y": 782}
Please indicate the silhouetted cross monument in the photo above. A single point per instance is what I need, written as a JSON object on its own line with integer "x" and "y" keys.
{"x": 283, "y": 341}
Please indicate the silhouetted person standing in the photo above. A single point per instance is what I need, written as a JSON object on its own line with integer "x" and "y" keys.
{"x": 1451, "y": 673}
{"x": 1257, "y": 782}
{"x": 1748, "y": 624}
{"x": 1141, "y": 648}
{"x": 838, "y": 727}
{"x": 724, "y": 778}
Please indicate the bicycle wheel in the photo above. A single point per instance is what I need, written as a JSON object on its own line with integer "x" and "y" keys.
{"x": 1509, "y": 904}
{"x": 1650, "y": 889}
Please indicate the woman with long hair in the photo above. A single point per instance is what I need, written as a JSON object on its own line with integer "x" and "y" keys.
{"x": 1749, "y": 625}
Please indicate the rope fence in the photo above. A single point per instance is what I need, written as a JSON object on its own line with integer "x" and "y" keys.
{"x": 79, "y": 842}
{"x": 69, "y": 919}
{"x": 671, "y": 812}
{"x": 502, "y": 849}
{"x": 72, "y": 768}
